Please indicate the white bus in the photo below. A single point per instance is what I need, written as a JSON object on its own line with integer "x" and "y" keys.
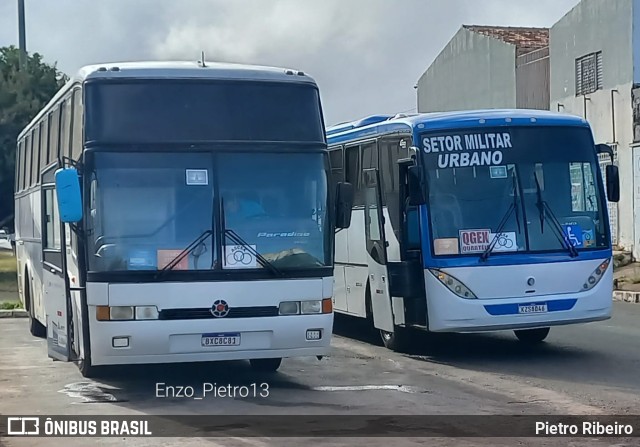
{"x": 473, "y": 221}
{"x": 178, "y": 212}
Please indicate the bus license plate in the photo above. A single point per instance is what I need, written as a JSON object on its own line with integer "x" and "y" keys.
{"x": 225, "y": 339}
{"x": 533, "y": 309}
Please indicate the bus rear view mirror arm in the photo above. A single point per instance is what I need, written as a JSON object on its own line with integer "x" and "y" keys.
{"x": 416, "y": 190}
{"x": 344, "y": 203}
{"x": 605, "y": 149}
{"x": 68, "y": 194}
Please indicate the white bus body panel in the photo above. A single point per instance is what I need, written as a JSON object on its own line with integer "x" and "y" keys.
{"x": 170, "y": 341}
{"x": 351, "y": 250}
{"x": 504, "y": 285}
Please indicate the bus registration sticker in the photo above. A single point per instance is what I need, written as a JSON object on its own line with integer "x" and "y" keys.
{"x": 539, "y": 308}
{"x": 221, "y": 339}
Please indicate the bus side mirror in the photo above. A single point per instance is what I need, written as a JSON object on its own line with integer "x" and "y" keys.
{"x": 613, "y": 183}
{"x": 416, "y": 191}
{"x": 344, "y": 203}
{"x": 68, "y": 194}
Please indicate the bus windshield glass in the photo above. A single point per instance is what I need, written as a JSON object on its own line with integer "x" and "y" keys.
{"x": 146, "y": 208}
{"x": 548, "y": 175}
{"x": 161, "y": 111}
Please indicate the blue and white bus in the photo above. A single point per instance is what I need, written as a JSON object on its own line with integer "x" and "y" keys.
{"x": 178, "y": 212}
{"x": 473, "y": 221}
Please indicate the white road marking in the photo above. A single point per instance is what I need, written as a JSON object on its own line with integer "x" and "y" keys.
{"x": 400, "y": 388}
{"x": 88, "y": 392}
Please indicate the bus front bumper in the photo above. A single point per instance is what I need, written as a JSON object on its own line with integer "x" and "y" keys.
{"x": 161, "y": 341}
{"x": 449, "y": 313}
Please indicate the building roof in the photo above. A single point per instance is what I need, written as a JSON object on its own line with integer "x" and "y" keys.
{"x": 525, "y": 39}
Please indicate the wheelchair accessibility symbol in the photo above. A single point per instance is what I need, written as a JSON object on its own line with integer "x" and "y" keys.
{"x": 239, "y": 257}
{"x": 573, "y": 234}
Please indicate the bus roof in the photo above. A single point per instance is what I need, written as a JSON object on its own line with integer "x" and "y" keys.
{"x": 377, "y": 125}
{"x": 189, "y": 70}
{"x": 173, "y": 70}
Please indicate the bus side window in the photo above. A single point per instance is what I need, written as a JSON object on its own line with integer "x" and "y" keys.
{"x": 352, "y": 173}
{"x": 413, "y": 229}
{"x": 335, "y": 162}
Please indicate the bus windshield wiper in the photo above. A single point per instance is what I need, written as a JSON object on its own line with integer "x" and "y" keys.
{"x": 237, "y": 239}
{"x": 188, "y": 249}
{"x": 547, "y": 213}
{"x": 512, "y": 208}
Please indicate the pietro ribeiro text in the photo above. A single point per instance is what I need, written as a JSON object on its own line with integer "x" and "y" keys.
{"x": 460, "y": 151}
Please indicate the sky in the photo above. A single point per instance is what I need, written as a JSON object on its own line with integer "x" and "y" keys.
{"x": 366, "y": 55}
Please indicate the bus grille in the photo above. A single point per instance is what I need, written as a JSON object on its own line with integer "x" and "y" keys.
{"x": 205, "y": 313}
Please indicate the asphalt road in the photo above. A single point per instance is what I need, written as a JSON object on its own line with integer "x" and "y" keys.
{"x": 587, "y": 369}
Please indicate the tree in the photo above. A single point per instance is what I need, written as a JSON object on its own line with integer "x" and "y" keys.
{"x": 22, "y": 94}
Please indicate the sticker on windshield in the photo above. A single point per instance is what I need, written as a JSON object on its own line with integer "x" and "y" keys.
{"x": 239, "y": 257}
{"x": 474, "y": 241}
{"x": 446, "y": 246}
{"x": 477, "y": 241}
{"x": 573, "y": 234}
{"x": 587, "y": 238}
{"x": 504, "y": 241}
{"x": 167, "y": 256}
{"x": 498, "y": 171}
{"x": 197, "y": 177}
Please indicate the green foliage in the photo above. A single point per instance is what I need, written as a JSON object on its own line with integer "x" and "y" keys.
{"x": 22, "y": 94}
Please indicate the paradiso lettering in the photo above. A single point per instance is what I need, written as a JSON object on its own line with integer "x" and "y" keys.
{"x": 454, "y": 151}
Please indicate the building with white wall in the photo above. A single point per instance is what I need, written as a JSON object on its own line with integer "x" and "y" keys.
{"x": 595, "y": 73}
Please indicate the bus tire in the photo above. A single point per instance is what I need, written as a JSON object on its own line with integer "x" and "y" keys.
{"x": 87, "y": 370}
{"x": 265, "y": 365}
{"x": 532, "y": 336}
{"x": 36, "y": 328}
{"x": 397, "y": 341}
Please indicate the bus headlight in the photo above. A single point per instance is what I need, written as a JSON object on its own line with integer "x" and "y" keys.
{"x": 146, "y": 313}
{"x": 453, "y": 284}
{"x": 596, "y": 276}
{"x": 121, "y": 313}
{"x": 124, "y": 313}
{"x": 311, "y": 307}
{"x": 290, "y": 308}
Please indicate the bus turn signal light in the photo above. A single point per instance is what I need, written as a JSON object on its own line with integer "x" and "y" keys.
{"x": 327, "y": 306}
{"x": 102, "y": 313}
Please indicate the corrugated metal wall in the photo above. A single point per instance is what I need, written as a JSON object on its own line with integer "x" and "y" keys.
{"x": 532, "y": 80}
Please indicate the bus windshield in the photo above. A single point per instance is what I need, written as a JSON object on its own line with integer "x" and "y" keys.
{"x": 475, "y": 176}
{"x": 145, "y": 208}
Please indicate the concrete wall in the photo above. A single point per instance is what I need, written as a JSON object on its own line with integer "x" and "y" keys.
{"x": 601, "y": 25}
{"x": 473, "y": 71}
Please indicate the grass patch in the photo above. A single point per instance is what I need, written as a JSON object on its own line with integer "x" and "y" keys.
{"x": 7, "y": 262}
{"x": 8, "y": 279}
{"x": 10, "y": 305}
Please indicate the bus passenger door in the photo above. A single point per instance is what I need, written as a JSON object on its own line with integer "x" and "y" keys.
{"x": 56, "y": 291}
{"x": 377, "y": 252}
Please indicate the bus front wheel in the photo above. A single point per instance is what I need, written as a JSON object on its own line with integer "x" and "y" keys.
{"x": 265, "y": 365}
{"x": 532, "y": 336}
{"x": 36, "y": 328}
{"x": 397, "y": 341}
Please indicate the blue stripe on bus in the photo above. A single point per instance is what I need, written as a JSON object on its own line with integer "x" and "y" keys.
{"x": 512, "y": 308}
